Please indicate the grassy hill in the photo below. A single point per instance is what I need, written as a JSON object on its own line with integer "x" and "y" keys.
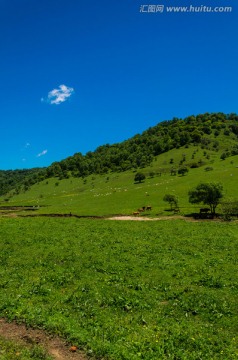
{"x": 102, "y": 182}
{"x": 117, "y": 193}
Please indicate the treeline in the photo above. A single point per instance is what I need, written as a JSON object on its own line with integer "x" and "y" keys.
{"x": 132, "y": 154}
{"x": 16, "y": 179}
{"x": 140, "y": 150}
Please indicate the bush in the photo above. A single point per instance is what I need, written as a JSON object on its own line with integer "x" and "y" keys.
{"x": 183, "y": 170}
{"x": 229, "y": 209}
{"x": 194, "y": 165}
{"x": 139, "y": 177}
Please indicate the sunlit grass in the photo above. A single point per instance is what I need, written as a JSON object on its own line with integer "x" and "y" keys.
{"x": 118, "y": 194}
{"x": 124, "y": 290}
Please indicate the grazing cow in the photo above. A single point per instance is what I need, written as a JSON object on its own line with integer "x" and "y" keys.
{"x": 204, "y": 210}
{"x": 148, "y": 207}
{"x": 136, "y": 213}
{"x": 141, "y": 210}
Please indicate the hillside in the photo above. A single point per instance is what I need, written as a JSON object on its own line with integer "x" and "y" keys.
{"x": 210, "y": 131}
{"x": 18, "y": 179}
{"x": 117, "y": 193}
{"x": 102, "y": 182}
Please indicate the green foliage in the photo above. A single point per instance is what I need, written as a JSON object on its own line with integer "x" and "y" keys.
{"x": 229, "y": 209}
{"x": 140, "y": 150}
{"x": 172, "y": 200}
{"x": 224, "y": 155}
{"x": 173, "y": 172}
{"x": 139, "y": 177}
{"x": 208, "y": 194}
{"x": 151, "y": 174}
{"x": 14, "y": 179}
{"x": 183, "y": 170}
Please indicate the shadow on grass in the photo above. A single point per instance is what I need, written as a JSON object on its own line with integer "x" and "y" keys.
{"x": 203, "y": 216}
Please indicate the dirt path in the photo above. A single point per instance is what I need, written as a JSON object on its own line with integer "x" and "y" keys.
{"x": 133, "y": 218}
{"x": 144, "y": 218}
{"x": 111, "y": 217}
{"x": 55, "y": 346}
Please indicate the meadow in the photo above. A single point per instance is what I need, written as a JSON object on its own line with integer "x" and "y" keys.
{"x": 117, "y": 193}
{"x": 124, "y": 290}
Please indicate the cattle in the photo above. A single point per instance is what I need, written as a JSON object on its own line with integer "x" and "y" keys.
{"x": 135, "y": 213}
{"x": 141, "y": 210}
{"x": 148, "y": 207}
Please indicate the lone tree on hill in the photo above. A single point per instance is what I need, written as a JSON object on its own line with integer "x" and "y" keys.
{"x": 172, "y": 200}
{"x": 139, "y": 177}
{"x": 183, "y": 170}
{"x": 208, "y": 194}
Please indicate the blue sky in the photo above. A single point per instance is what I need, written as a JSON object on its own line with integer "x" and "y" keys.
{"x": 78, "y": 74}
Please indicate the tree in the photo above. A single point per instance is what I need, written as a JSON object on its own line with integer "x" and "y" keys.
{"x": 139, "y": 177}
{"x": 172, "y": 200}
{"x": 183, "y": 170}
{"x": 208, "y": 194}
{"x": 223, "y": 156}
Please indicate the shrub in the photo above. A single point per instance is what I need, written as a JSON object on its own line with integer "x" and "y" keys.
{"x": 229, "y": 209}
{"x": 139, "y": 177}
{"x": 183, "y": 170}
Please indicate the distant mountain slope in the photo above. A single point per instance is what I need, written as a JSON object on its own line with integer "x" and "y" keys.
{"x": 216, "y": 131}
{"x": 118, "y": 193}
{"x": 16, "y": 179}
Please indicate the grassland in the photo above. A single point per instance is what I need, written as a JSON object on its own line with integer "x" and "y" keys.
{"x": 124, "y": 290}
{"x": 118, "y": 194}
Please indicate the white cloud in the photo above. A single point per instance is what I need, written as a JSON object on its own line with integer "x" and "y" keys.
{"x": 42, "y": 153}
{"x": 57, "y": 96}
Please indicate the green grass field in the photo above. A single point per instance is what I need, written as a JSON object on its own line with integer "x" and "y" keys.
{"x": 118, "y": 194}
{"x": 124, "y": 290}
